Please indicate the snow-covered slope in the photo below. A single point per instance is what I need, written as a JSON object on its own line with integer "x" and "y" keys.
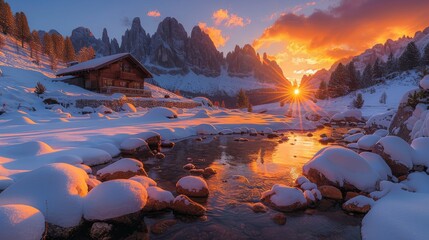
{"x": 192, "y": 82}
{"x": 394, "y": 88}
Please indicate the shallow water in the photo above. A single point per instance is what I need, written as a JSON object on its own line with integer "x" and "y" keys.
{"x": 260, "y": 163}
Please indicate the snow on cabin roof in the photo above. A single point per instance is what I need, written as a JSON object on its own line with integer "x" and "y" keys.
{"x": 98, "y": 63}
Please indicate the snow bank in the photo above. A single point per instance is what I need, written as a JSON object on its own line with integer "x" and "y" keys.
{"x": 202, "y": 114}
{"x": 5, "y": 182}
{"x": 26, "y": 149}
{"x": 341, "y": 165}
{"x": 205, "y": 102}
{"x": 349, "y": 115}
{"x": 114, "y": 199}
{"x": 381, "y": 120}
{"x": 368, "y": 141}
{"x": 21, "y": 222}
{"x": 109, "y": 148}
{"x": 418, "y": 182}
{"x": 133, "y": 143}
{"x": 206, "y": 129}
{"x": 92, "y": 156}
{"x": 399, "y": 215}
{"x": 55, "y": 189}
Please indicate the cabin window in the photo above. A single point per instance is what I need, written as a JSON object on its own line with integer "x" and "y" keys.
{"x": 123, "y": 84}
{"x": 126, "y": 67}
{"x": 108, "y": 82}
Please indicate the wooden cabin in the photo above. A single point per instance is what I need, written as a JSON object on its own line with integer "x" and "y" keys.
{"x": 119, "y": 73}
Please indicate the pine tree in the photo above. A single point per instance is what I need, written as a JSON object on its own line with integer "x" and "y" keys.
{"x": 391, "y": 64}
{"x": 49, "y": 50}
{"x": 222, "y": 105}
{"x": 242, "y": 99}
{"x": 69, "y": 53}
{"x": 410, "y": 58}
{"x": 338, "y": 85}
{"x": 367, "y": 76}
{"x": 35, "y": 46}
{"x": 377, "y": 69}
{"x": 85, "y": 54}
{"x": 58, "y": 43}
{"x": 358, "y": 101}
{"x": 7, "y": 21}
{"x": 22, "y": 31}
{"x": 425, "y": 57}
{"x": 322, "y": 92}
{"x": 353, "y": 77}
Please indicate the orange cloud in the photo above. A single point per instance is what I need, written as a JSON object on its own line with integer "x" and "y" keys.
{"x": 229, "y": 20}
{"x": 220, "y": 15}
{"x": 154, "y": 13}
{"x": 215, "y": 34}
{"x": 341, "y": 31}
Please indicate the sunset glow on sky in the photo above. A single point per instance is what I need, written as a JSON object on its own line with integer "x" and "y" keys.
{"x": 303, "y": 36}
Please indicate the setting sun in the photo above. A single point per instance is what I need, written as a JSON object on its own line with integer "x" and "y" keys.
{"x": 296, "y": 91}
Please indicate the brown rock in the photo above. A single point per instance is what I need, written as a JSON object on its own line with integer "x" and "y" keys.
{"x": 398, "y": 169}
{"x": 198, "y": 139}
{"x": 279, "y": 219}
{"x": 184, "y": 205}
{"x": 189, "y": 166}
{"x": 350, "y": 195}
{"x": 309, "y": 134}
{"x": 326, "y": 204}
{"x": 196, "y": 172}
{"x": 167, "y": 144}
{"x": 155, "y": 205}
{"x": 101, "y": 230}
{"x": 160, "y": 155}
{"x": 319, "y": 179}
{"x": 162, "y": 226}
{"x": 330, "y": 192}
{"x": 208, "y": 171}
{"x": 201, "y": 193}
{"x": 272, "y": 135}
{"x": 121, "y": 175}
{"x": 259, "y": 208}
{"x": 402, "y": 178}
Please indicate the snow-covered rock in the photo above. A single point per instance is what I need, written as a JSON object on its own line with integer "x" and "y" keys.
{"x": 397, "y": 153}
{"x": 158, "y": 199}
{"x": 92, "y": 156}
{"x": 192, "y": 186}
{"x": 341, "y": 167}
{"x": 87, "y": 110}
{"x": 301, "y": 180}
{"x": 114, "y": 199}
{"x": 283, "y": 198}
{"x": 134, "y": 146}
{"x": 353, "y": 138}
{"x": 184, "y": 205}
{"x": 128, "y": 107}
{"x": 144, "y": 181}
{"x": 421, "y": 151}
{"x": 330, "y": 192}
{"x": 424, "y": 83}
{"x": 378, "y": 164}
{"x": 381, "y": 132}
{"x": 202, "y": 114}
{"x": 109, "y": 148}
{"x": 121, "y": 169}
{"x": 206, "y": 129}
{"x": 160, "y": 113}
{"x": 367, "y": 142}
{"x": 57, "y": 190}
{"x": 417, "y": 182}
{"x": 226, "y": 132}
{"x": 359, "y": 204}
{"x": 21, "y": 222}
{"x": 380, "y": 120}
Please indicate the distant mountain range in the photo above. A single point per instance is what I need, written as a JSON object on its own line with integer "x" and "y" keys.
{"x": 170, "y": 51}
{"x": 369, "y": 56}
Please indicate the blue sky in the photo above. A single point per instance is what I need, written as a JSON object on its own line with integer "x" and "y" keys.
{"x": 64, "y": 16}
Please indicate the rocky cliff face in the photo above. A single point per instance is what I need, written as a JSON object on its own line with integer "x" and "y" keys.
{"x": 136, "y": 41}
{"x": 168, "y": 47}
{"x": 83, "y": 37}
{"x": 202, "y": 55}
{"x": 171, "y": 51}
{"x": 245, "y": 62}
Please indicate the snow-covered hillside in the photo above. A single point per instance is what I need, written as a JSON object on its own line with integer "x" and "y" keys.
{"x": 394, "y": 88}
{"x": 223, "y": 84}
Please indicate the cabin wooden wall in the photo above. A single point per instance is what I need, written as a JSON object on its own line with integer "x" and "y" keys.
{"x": 114, "y": 74}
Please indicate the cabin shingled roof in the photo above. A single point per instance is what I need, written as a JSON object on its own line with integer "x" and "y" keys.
{"x": 97, "y": 63}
